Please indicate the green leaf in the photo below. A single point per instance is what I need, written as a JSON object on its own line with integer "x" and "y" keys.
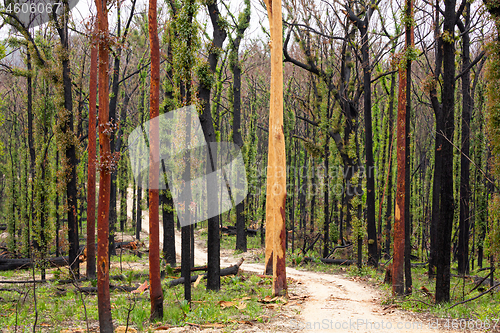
{"x": 2, "y": 51}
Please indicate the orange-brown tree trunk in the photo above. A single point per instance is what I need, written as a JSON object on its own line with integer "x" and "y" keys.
{"x": 104, "y": 304}
{"x": 276, "y": 171}
{"x": 156, "y": 292}
{"x": 92, "y": 160}
{"x": 399, "y": 216}
{"x": 401, "y": 261}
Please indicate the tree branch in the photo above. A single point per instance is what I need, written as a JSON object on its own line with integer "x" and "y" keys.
{"x": 472, "y": 64}
{"x": 313, "y": 30}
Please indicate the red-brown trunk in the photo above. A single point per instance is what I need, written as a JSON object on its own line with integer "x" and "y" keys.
{"x": 402, "y": 250}
{"x": 104, "y": 305}
{"x": 399, "y": 217}
{"x": 156, "y": 292}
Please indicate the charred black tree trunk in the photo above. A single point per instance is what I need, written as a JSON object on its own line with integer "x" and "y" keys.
{"x": 407, "y": 220}
{"x": 362, "y": 25}
{"x": 112, "y": 118}
{"x": 326, "y": 225}
{"x": 138, "y": 210}
{"x": 446, "y": 208}
{"x": 241, "y": 235}
{"x": 463, "y": 236}
{"x": 115, "y": 85}
{"x": 70, "y": 150}
{"x": 169, "y": 253}
{"x": 370, "y": 170}
{"x": 58, "y": 220}
{"x": 219, "y": 35}
{"x": 389, "y": 212}
{"x": 168, "y": 227}
{"x": 123, "y": 179}
{"x": 436, "y": 185}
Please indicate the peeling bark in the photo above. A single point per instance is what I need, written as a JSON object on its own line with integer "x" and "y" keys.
{"x": 276, "y": 174}
{"x": 156, "y": 293}
{"x": 103, "y": 297}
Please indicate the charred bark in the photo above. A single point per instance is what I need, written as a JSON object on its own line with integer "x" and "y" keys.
{"x": 467, "y": 101}
{"x": 91, "y": 173}
{"x": 213, "y": 246}
{"x": 241, "y": 238}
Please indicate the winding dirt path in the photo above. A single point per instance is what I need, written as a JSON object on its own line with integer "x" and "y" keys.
{"x": 337, "y": 304}
{"x": 334, "y": 303}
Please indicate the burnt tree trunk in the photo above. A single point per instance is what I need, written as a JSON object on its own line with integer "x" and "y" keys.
{"x": 155, "y": 290}
{"x": 103, "y": 297}
{"x": 370, "y": 170}
{"x": 407, "y": 217}
{"x": 91, "y": 172}
{"x": 463, "y": 236}
{"x": 326, "y": 211}
{"x": 436, "y": 185}
{"x": 166, "y": 196}
{"x": 70, "y": 152}
{"x": 241, "y": 237}
{"x": 443, "y": 227}
{"x": 401, "y": 277}
{"x": 213, "y": 246}
{"x": 399, "y": 216}
{"x": 112, "y": 117}
{"x": 389, "y": 212}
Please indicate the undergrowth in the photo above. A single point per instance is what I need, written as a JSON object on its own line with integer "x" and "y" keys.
{"x": 60, "y": 306}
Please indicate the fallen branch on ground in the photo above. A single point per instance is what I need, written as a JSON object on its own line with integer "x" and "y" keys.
{"x": 193, "y": 269}
{"x": 22, "y": 281}
{"x": 231, "y": 230}
{"x": 419, "y": 264}
{"x": 13, "y": 289}
{"x": 480, "y": 282}
{"x": 12, "y": 264}
{"x": 473, "y": 298}
{"x": 232, "y": 270}
{"x": 339, "y": 247}
{"x": 93, "y": 290}
{"x": 122, "y": 277}
{"x": 475, "y": 278}
{"x": 132, "y": 245}
{"x": 41, "y": 281}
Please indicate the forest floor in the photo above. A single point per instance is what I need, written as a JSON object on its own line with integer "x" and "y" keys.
{"x": 326, "y": 302}
{"x": 333, "y": 300}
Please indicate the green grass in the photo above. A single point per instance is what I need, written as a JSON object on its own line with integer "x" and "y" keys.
{"x": 126, "y": 257}
{"x": 7, "y": 274}
{"x": 57, "y": 311}
{"x": 485, "y": 307}
{"x": 229, "y": 241}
